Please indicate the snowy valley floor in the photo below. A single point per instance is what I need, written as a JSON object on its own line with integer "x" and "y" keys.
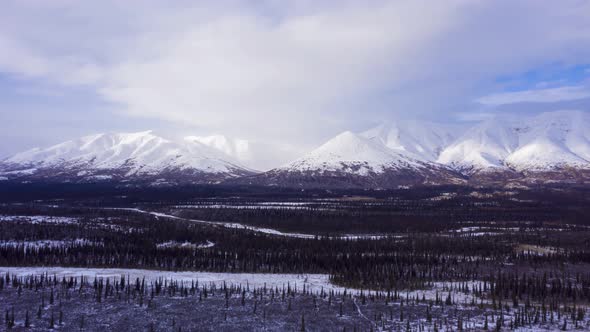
{"x": 430, "y": 259}
{"x": 78, "y": 299}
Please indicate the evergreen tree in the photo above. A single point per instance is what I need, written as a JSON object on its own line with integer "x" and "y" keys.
{"x": 302, "y": 323}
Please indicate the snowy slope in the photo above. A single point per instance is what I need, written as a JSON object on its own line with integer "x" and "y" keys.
{"x": 352, "y": 161}
{"x": 239, "y": 149}
{"x": 544, "y": 142}
{"x": 553, "y": 144}
{"x": 137, "y": 154}
{"x": 484, "y": 146}
{"x": 425, "y": 140}
{"x": 352, "y": 153}
{"x": 546, "y": 147}
{"x": 552, "y": 141}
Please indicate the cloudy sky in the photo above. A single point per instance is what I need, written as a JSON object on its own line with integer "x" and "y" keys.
{"x": 282, "y": 74}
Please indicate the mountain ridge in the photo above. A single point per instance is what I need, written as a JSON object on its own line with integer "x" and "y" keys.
{"x": 118, "y": 156}
{"x": 547, "y": 147}
{"x": 351, "y": 160}
{"x": 551, "y": 146}
{"x": 544, "y": 142}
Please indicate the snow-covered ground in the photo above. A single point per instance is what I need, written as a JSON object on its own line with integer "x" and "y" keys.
{"x": 48, "y": 243}
{"x": 312, "y": 282}
{"x": 536, "y": 250}
{"x": 258, "y": 206}
{"x": 497, "y": 230}
{"x": 27, "y": 171}
{"x": 186, "y": 245}
{"x": 39, "y": 219}
{"x": 356, "y": 310}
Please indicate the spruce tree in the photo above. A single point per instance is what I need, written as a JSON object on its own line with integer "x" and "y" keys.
{"x": 302, "y": 323}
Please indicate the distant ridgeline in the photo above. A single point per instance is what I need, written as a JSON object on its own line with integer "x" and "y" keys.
{"x": 505, "y": 151}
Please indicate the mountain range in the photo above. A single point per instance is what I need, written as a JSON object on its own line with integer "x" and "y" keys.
{"x": 140, "y": 156}
{"x": 553, "y": 146}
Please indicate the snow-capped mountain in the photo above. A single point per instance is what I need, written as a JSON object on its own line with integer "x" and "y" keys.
{"x": 552, "y": 146}
{"x": 351, "y": 153}
{"x": 351, "y": 160}
{"x": 553, "y": 141}
{"x": 425, "y": 140}
{"x": 239, "y": 149}
{"x": 124, "y": 156}
{"x": 547, "y": 147}
{"x": 483, "y": 147}
{"x": 546, "y": 142}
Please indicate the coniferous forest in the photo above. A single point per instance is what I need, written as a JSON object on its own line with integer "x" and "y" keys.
{"x": 83, "y": 257}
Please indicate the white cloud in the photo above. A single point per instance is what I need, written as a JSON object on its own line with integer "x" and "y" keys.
{"x": 473, "y": 116}
{"x": 15, "y": 59}
{"x": 537, "y": 96}
{"x": 290, "y": 73}
{"x": 22, "y": 61}
{"x": 246, "y": 73}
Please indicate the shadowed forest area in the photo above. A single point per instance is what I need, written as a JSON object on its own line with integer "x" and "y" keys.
{"x": 425, "y": 259}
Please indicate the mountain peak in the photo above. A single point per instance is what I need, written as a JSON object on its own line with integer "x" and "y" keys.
{"x": 424, "y": 140}
{"x": 236, "y": 148}
{"x": 392, "y": 152}
{"x": 351, "y": 153}
{"x": 351, "y": 160}
{"x": 346, "y": 143}
{"x": 546, "y": 141}
{"x": 131, "y": 154}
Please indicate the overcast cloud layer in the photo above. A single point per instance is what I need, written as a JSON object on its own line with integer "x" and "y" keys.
{"x": 286, "y": 74}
